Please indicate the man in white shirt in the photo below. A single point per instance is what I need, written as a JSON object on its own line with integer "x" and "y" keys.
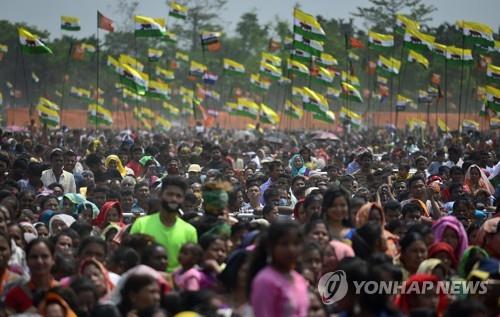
{"x": 57, "y": 175}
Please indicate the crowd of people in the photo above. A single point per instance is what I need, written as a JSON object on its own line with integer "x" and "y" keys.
{"x": 245, "y": 223}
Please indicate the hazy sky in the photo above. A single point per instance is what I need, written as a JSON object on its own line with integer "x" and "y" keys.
{"x": 45, "y": 14}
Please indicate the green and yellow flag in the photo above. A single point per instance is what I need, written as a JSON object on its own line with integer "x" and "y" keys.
{"x": 312, "y": 47}
{"x": 99, "y": 115}
{"x": 154, "y": 55}
{"x": 493, "y": 73}
{"x": 4, "y": 48}
{"x": 403, "y": 23}
{"x": 475, "y": 32}
{"x": 158, "y": 89}
{"x": 178, "y": 11}
{"x": 260, "y": 83}
{"x": 165, "y": 74}
{"x": 181, "y": 56}
{"x": 332, "y": 93}
{"x": 456, "y": 55}
{"x": 326, "y": 60}
{"x": 328, "y": 117}
{"x": 131, "y": 96}
{"x": 271, "y": 59}
{"x": 418, "y": 41}
{"x": 414, "y": 57}
{"x": 197, "y": 69}
{"x": 270, "y": 70}
{"x": 306, "y": 25}
{"x": 298, "y": 68}
{"x": 314, "y": 101}
{"x": 149, "y": 27}
{"x": 298, "y": 92}
{"x": 351, "y": 117}
{"x": 233, "y": 67}
{"x": 80, "y": 93}
{"x": 70, "y": 23}
{"x": 135, "y": 80}
{"x": 131, "y": 61}
{"x": 402, "y": 102}
{"x": 246, "y": 108}
{"x": 293, "y": 111}
{"x": 162, "y": 123}
{"x": 350, "y": 79}
{"x": 493, "y": 98}
{"x": 48, "y": 112}
{"x": 324, "y": 75}
{"x": 171, "y": 110}
{"x": 388, "y": 66}
{"x": 349, "y": 92}
{"x": 31, "y": 43}
{"x": 268, "y": 115}
{"x": 380, "y": 42}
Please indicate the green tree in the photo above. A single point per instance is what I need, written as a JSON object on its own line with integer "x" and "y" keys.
{"x": 382, "y": 13}
{"x": 252, "y": 35}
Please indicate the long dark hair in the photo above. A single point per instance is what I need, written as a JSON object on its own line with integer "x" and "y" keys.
{"x": 365, "y": 238}
{"x": 134, "y": 283}
{"x": 267, "y": 241}
{"x": 329, "y": 197}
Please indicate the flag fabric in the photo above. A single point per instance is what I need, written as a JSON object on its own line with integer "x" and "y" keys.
{"x": 314, "y": 101}
{"x": 113, "y": 63}
{"x": 178, "y": 11}
{"x": 326, "y": 60}
{"x": 350, "y": 79}
{"x": 233, "y": 67}
{"x": 442, "y": 126}
{"x": 135, "y": 80}
{"x": 298, "y": 68}
{"x": 351, "y": 117}
{"x": 104, "y": 23}
{"x": 418, "y": 41}
{"x": 494, "y": 123}
{"x": 300, "y": 56}
{"x": 260, "y": 83}
{"x": 181, "y": 56}
{"x": 170, "y": 37}
{"x": 388, "y": 66}
{"x": 292, "y": 110}
{"x": 333, "y": 93}
{"x": 382, "y": 80}
{"x": 493, "y": 73}
{"x": 270, "y": 70}
{"x": 268, "y": 115}
{"x": 313, "y": 47}
{"x": 183, "y": 91}
{"x": 456, "y": 56}
{"x": 70, "y": 23}
{"x": 284, "y": 81}
{"x": 349, "y": 92}
{"x": 35, "y": 78}
{"x": 423, "y": 96}
{"x": 4, "y": 48}
{"x": 324, "y": 75}
{"x": 287, "y": 42}
{"x": 439, "y": 50}
{"x": 474, "y": 32}
{"x": 99, "y": 115}
{"x": 298, "y": 92}
{"x": 158, "y": 90}
{"x": 480, "y": 93}
{"x": 48, "y": 104}
{"x": 131, "y": 96}
{"x": 88, "y": 48}
{"x": 416, "y": 123}
{"x": 164, "y": 74}
{"x": 48, "y": 112}
{"x": 246, "y": 108}
{"x": 211, "y": 41}
{"x": 131, "y": 61}
{"x": 493, "y": 98}
{"x": 414, "y": 57}
{"x": 307, "y": 26}
{"x": 170, "y": 109}
{"x": 355, "y": 43}
{"x": 149, "y": 27}
{"x": 210, "y": 78}
{"x": 379, "y": 41}
{"x": 80, "y": 93}
{"x": 197, "y": 69}
{"x": 402, "y": 102}
{"x": 271, "y": 59}
{"x": 352, "y": 57}
{"x": 403, "y": 23}
{"x": 31, "y": 43}
{"x": 162, "y": 123}
{"x": 470, "y": 124}
{"x": 154, "y": 55}
{"x": 328, "y": 117}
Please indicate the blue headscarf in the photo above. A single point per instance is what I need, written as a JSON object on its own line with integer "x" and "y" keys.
{"x": 297, "y": 171}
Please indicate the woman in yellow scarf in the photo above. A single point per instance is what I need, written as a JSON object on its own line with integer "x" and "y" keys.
{"x": 114, "y": 162}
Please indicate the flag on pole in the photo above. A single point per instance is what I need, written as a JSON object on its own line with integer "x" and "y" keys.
{"x": 314, "y": 101}
{"x": 442, "y": 126}
{"x": 307, "y": 26}
{"x": 298, "y": 92}
{"x": 470, "y": 124}
{"x": 298, "y": 68}
{"x": 313, "y": 47}
{"x": 178, "y": 11}
{"x": 271, "y": 59}
{"x": 379, "y": 41}
{"x": 260, "y": 83}
{"x": 418, "y": 41}
{"x": 131, "y": 61}
{"x": 350, "y": 79}
{"x": 476, "y": 33}
{"x": 158, "y": 90}
{"x": 403, "y": 23}
{"x": 113, "y": 63}
{"x": 326, "y": 60}
{"x": 414, "y": 57}
{"x": 99, "y": 115}
{"x": 284, "y": 81}
{"x": 352, "y": 57}
{"x": 48, "y": 112}
{"x": 135, "y": 80}
{"x": 154, "y": 55}
{"x": 165, "y": 74}
{"x": 70, "y": 23}
{"x": 246, "y": 108}
{"x": 493, "y": 98}
{"x": 328, "y": 117}
{"x": 300, "y": 56}
{"x": 402, "y": 102}
{"x": 181, "y": 56}
{"x": 268, "y": 115}
{"x": 211, "y": 41}
{"x": 333, "y": 93}
{"x": 349, "y": 92}
{"x": 457, "y": 56}
{"x": 324, "y": 75}
{"x": 105, "y": 23}
{"x": 80, "y": 93}
{"x": 292, "y": 110}
{"x": 416, "y": 123}
{"x": 355, "y": 43}
{"x": 351, "y": 117}
{"x": 171, "y": 110}
{"x": 270, "y": 70}
{"x": 131, "y": 96}
{"x": 493, "y": 73}
{"x": 31, "y": 43}
{"x": 388, "y": 66}
{"x": 494, "y": 123}
{"x": 197, "y": 69}
{"x": 149, "y": 27}
{"x": 170, "y": 37}
{"x": 439, "y": 50}
{"x": 233, "y": 67}
{"x": 4, "y": 48}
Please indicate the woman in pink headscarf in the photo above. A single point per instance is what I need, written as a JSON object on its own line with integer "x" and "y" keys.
{"x": 334, "y": 252}
{"x": 450, "y": 230}
{"x": 476, "y": 179}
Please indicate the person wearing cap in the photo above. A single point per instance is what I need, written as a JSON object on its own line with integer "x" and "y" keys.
{"x": 194, "y": 172}
{"x": 421, "y": 165}
{"x": 56, "y": 174}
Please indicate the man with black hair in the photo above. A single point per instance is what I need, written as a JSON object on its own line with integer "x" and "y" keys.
{"x": 216, "y": 160}
{"x": 165, "y": 226}
{"x": 275, "y": 170}
{"x": 56, "y": 174}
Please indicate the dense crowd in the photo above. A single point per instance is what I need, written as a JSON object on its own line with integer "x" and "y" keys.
{"x": 211, "y": 222}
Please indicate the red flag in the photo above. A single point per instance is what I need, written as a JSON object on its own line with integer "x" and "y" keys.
{"x": 78, "y": 52}
{"x": 104, "y": 22}
{"x": 355, "y": 43}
